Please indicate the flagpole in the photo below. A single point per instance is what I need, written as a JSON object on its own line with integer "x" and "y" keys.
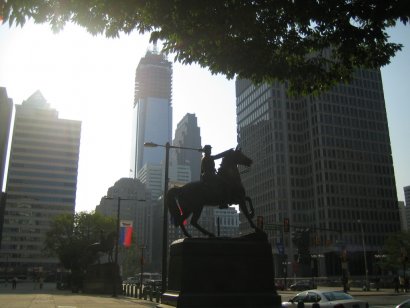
{"x": 114, "y": 291}
{"x": 116, "y": 273}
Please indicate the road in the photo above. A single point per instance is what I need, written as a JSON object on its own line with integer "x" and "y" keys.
{"x": 27, "y": 295}
{"x": 376, "y": 299}
{"x": 385, "y": 301}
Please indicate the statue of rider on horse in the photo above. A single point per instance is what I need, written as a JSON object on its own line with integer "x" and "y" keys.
{"x": 220, "y": 188}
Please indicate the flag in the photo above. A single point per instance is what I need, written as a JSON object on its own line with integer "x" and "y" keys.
{"x": 125, "y": 237}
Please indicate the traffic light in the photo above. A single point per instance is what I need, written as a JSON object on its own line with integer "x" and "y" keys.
{"x": 301, "y": 239}
{"x": 286, "y": 226}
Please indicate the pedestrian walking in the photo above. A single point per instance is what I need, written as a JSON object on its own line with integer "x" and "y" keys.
{"x": 401, "y": 279}
{"x": 41, "y": 280}
{"x": 14, "y": 282}
{"x": 396, "y": 284}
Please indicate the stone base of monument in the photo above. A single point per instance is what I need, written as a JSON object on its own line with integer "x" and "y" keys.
{"x": 221, "y": 272}
{"x": 99, "y": 279}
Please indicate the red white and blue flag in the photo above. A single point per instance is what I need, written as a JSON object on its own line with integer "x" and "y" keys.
{"x": 125, "y": 233}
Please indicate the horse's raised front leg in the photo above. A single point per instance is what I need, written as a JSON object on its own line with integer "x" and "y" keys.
{"x": 194, "y": 222}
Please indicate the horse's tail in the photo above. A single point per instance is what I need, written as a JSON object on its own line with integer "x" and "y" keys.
{"x": 174, "y": 210}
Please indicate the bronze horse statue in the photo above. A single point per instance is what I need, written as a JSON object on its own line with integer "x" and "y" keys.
{"x": 105, "y": 245}
{"x": 226, "y": 189}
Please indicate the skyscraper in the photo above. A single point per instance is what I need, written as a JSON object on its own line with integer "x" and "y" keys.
{"x": 135, "y": 206}
{"x": 41, "y": 182}
{"x": 325, "y": 164}
{"x": 188, "y": 134}
{"x": 152, "y": 113}
{"x": 6, "y": 110}
{"x": 406, "y": 190}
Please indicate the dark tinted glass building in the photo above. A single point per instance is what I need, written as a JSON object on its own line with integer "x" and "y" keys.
{"x": 325, "y": 164}
{"x": 188, "y": 134}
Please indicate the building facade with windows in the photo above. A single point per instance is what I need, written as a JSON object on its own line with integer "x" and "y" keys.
{"x": 41, "y": 182}
{"x": 404, "y": 216}
{"x": 136, "y": 206}
{"x": 188, "y": 134}
{"x": 323, "y": 162}
{"x": 406, "y": 190}
{"x": 6, "y": 111}
{"x": 226, "y": 222}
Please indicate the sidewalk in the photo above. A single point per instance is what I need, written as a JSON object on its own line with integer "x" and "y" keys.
{"x": 27, "y": 295}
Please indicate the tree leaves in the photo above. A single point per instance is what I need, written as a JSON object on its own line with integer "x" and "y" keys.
{"x": 261, "y": 40}
{"x": 70, "y": 237}
{"x": 396, "y": 248}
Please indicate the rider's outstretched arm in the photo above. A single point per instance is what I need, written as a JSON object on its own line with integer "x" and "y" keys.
{"x": 220, "y": 155}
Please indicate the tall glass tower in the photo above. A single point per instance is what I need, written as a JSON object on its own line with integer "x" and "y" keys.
{"x": 152, "y": 112}
{"x": 325, "y": 165}
{"x": 41, "y": 183}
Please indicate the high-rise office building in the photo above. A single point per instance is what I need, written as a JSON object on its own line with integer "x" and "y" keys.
{"x": 152, "y": 112}
{"x": 404, "y": 216}
{"x": 41, "y": 182}
{"x": 188, "y": 134}
{"x": 6, "y": 111}
{"x": 135, "y": 206}
{"x": 406, "y": 190}
{"x": 324, "y": 163}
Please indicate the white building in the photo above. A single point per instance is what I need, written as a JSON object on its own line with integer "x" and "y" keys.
{"x": 226, "y": 222}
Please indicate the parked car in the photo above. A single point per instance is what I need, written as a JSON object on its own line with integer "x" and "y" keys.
{"x": 405, "y": 304}
{"x": 152, "y": 286}
{"x": 301, "y": 285}
{"x": 325, "y": 299}
{"x": 132, "y": 280}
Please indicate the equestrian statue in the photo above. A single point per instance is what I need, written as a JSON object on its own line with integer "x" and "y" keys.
{"x": 221, "y": 188}
{"x": 105, "y": 245}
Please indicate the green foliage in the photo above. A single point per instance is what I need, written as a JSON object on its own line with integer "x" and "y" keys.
{"x": 396, "y": 249}
{"x": 130, "y": 259}
{"x": 262, "y": 40}
{"x": 70, "y": 237}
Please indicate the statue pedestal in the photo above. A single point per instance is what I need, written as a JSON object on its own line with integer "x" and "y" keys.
{"x": 221, "y": 272}
{"x": 100, "y": 279}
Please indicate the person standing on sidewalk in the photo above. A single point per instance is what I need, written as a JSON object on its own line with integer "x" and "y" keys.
{"x": 396, "y": 283}
{"x": 14, "y": 282}
{"x": 401, "y": 278}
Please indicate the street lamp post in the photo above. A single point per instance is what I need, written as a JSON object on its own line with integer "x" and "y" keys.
{"x": 142, "y": 268}
{"x": 117, "y": 239}
{"x": 364, "y": 255}
{"x": 167, "y": 146}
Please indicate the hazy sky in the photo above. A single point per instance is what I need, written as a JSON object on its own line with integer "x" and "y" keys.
{"x": 92, "y": 79}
